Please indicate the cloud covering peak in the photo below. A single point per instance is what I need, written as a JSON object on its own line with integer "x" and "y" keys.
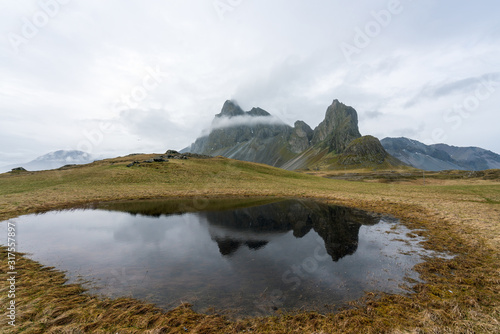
{"x": 160, "y": 70}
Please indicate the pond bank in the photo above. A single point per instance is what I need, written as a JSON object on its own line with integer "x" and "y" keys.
{"x": 461, "y": 294}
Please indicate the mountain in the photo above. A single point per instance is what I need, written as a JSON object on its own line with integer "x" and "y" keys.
{"x": 366, "y": 149}
{"x": 250, "y": 136}
{"x": 257, "y": 136}
{"x": 338, "y": 129}
{"x": 440, "y": 156}
{"x": 472, "y": 158}
{"x": 54, "y": 160}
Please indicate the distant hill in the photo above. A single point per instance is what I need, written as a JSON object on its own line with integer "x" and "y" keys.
{"x": 257, "y": 136}
{"x": 53, "y": 160}
{"x": 440, "y": 156}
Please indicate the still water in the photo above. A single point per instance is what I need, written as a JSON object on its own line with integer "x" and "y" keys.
{"x": 246, "y": 258}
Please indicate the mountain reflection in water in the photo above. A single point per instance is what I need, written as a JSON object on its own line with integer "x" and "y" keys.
{"x": 252, "y": 227}
{"x": 250, "y": 256}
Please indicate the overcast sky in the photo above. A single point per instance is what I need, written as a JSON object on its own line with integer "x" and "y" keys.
{"x": 121, "y": 76}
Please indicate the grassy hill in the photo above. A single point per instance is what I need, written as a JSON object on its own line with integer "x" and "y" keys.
{"x": 458, "y": 214}
{"x": 111, "y": 179}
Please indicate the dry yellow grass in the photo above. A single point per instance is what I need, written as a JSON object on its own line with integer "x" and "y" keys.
{"x": 459, "y": 215}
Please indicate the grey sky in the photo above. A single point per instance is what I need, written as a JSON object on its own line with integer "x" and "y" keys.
{"x": 116, "y": 77}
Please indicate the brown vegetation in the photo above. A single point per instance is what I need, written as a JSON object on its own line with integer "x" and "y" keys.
{"x": 457, "y": 214}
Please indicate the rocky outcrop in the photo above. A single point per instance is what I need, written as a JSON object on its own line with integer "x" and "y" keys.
{"x": 300, "y": 139}
{"x": 170, "y": 154}
{"x": 338, "y": 129}
{"x": 230, "y": 109}
{"x": 258, "y": 112}
{"x": 18, "y": 169}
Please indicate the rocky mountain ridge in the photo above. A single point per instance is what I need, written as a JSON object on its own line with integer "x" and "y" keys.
{"x": 258, "y": 137}
{"x": 439, "y": 157}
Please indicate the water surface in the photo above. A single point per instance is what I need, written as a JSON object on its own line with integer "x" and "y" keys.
{"x": 250, "y": 258}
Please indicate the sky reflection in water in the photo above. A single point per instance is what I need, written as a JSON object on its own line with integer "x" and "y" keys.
{"x": 253, "y": 260}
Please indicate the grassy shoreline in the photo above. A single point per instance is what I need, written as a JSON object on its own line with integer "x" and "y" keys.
{"x": 459, "y": 215}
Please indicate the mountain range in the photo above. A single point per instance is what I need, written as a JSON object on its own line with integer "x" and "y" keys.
{"x": 257, "y": 136}
{"x": 440, "y": 156}
{"x": 53, "y": 160}
{"x": 335, "y": 143}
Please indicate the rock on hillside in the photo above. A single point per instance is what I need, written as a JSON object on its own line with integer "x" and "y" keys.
{"x": 300, "y": 139}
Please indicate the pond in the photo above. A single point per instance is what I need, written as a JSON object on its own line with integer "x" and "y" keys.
{"x": 245, "y": 257}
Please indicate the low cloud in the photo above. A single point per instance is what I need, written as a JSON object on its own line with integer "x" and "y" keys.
{"x": 463, "y": 86}
{"x": 373, "y": 114}
{"x": 244, "y": 120}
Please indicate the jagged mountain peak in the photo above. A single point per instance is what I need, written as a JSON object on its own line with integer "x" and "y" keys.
{"x": 260, "y": 137}
{"x": 338, "y": 129}
{"x": 300, "y": 139}
{"x": 303, "y": 126}
{"x": 258, "y": 112}
{"x": 230, "y": 109}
